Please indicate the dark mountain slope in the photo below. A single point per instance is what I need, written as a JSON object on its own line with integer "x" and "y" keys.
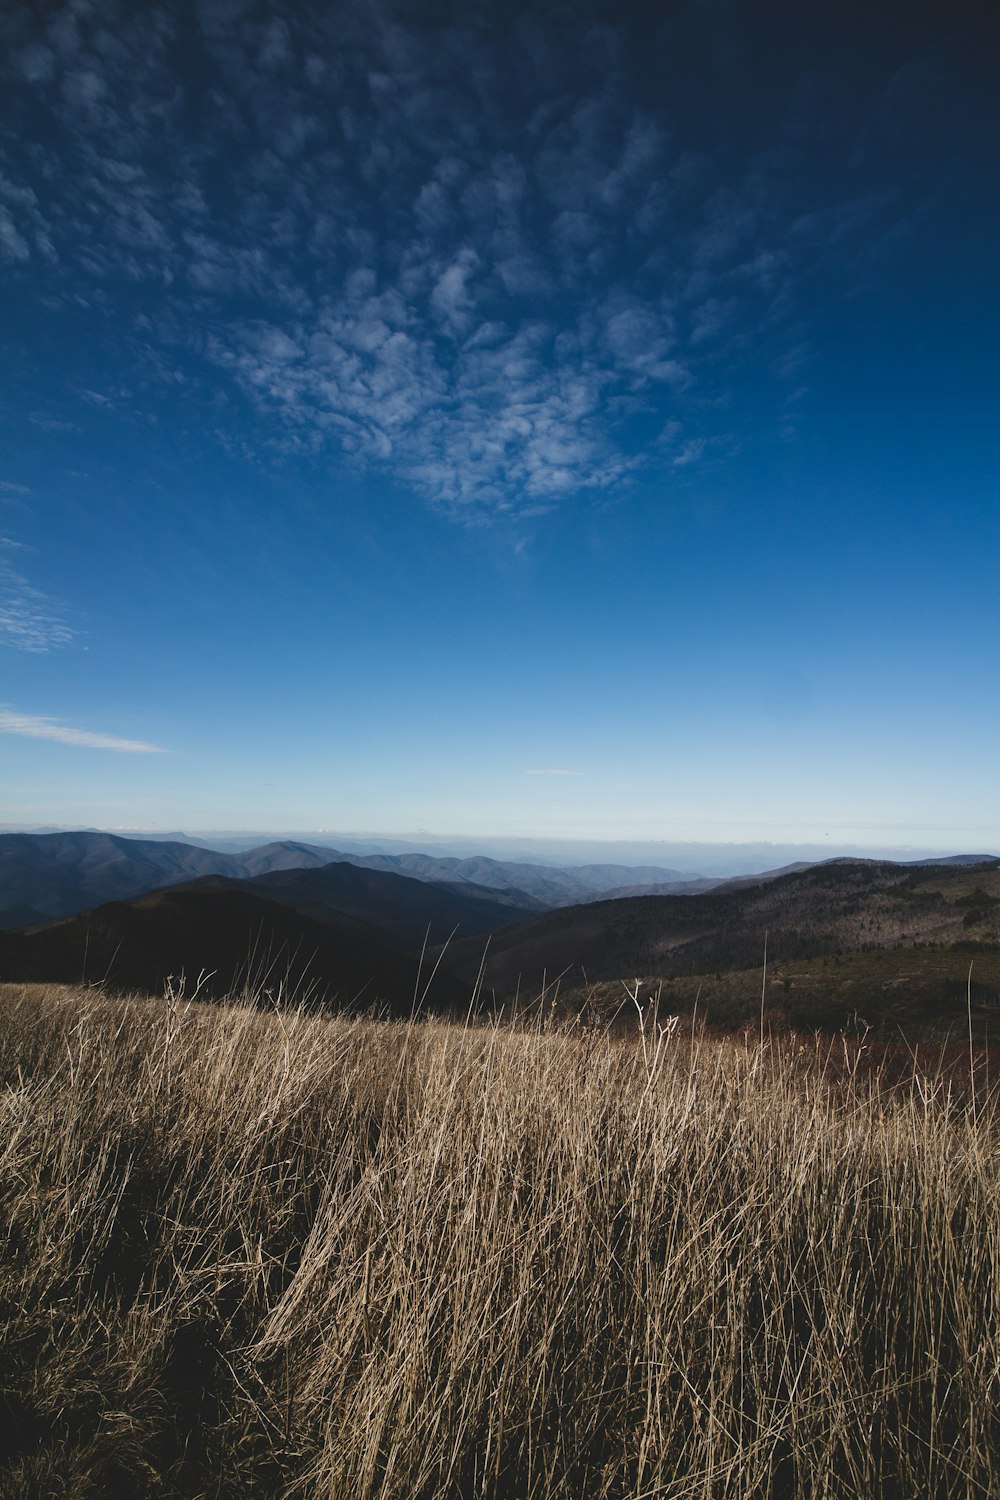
{"x": 227, "y": 933}
{"x": 839, "y": 906}
{"x": 401, "y": 907}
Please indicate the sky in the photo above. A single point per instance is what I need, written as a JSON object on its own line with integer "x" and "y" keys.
{"x": 553, "y": 420}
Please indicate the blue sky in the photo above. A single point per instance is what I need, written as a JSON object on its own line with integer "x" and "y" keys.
{"x": 549, "y": 420}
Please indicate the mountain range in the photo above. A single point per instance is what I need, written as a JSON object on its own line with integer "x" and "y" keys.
{"x": 547, "y": 885}
{"x": 129, "y": 914}
{"x": 57, "y": 874}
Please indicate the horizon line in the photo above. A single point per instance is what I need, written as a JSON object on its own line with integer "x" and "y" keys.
{"x": 126, "y": 830}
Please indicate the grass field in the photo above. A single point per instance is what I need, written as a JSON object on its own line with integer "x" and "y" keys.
{"x": 252, "y": 1254}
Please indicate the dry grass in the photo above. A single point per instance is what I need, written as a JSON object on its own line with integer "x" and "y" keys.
{"x": 252, "y": 1254}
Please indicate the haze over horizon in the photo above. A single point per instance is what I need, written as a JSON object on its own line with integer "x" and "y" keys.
{"x": 685, "y": 859}
{"x": 551, "y": 422}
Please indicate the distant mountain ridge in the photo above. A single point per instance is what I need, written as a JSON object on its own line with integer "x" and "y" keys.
{"x": 49, "y": 875}
{"x": 550, "y": 885}
{"x": 52, "y": 875}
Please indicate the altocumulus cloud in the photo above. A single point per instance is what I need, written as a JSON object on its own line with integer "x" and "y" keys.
{"x": 29, "y": 621}
{"x": 39, "y": 728}
{"x": 464, "y": 250}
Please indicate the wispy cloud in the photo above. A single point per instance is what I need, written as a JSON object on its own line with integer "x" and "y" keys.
{"x": 553, "y": 771}
{"x": 39, "y": 728}
{"x": 463, "y": 253}
{"x": 29, "y": 620}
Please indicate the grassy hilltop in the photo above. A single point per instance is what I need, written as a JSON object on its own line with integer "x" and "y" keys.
{"x": 252, "y": 1254}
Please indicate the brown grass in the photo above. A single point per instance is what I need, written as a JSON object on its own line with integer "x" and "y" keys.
{"x": 255, "y": 1254}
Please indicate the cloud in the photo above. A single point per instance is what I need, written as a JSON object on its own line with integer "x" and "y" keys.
{"x": 51, "y": 729}
{"x": 29, "y": 621}
{"x": 554, "y": 771}
{"x": 464, "y": 253}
